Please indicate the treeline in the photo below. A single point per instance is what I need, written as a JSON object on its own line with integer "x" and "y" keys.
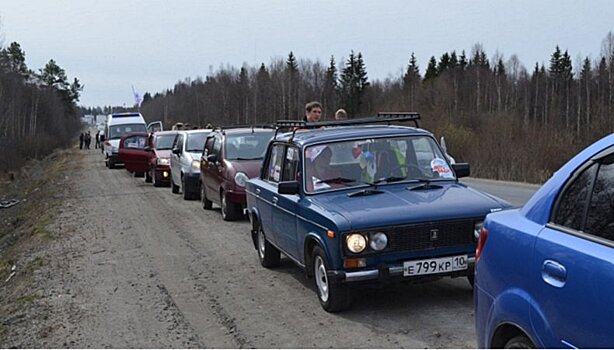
{"x": 37, "y": 109}
{"x": 508, "y": 122}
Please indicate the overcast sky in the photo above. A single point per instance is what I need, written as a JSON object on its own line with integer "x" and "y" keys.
{"x": 111, "y": 45}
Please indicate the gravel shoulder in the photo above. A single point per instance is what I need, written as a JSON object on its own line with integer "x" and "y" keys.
{"x": 133, "y": 266}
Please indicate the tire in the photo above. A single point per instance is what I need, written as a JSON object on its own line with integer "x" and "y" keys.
{"x": 186, "y": 195}
{"x": 148, "y": 178}
{"x": 207, "y": 204}
{"x": 333, "y": 296}
{"x": 111, "y": 164}
{"x": 268, "y": 255}
{"x": 229, "y": 210}
{"x": 519, "y": 342}
{"x": 174, "y": 188}
{"x": 136, "y": 174}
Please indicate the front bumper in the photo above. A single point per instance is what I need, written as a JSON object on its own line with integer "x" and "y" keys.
{"x": 163, "y": 174}
{"x": 392, "y": 272}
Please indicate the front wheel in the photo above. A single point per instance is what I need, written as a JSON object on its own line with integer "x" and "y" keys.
{"x": 333, "y": 296}
{"x": 230, "y": 211}
{"x": 519, "y": 342}
{"x": 207, "y": 204}
{"x": 268, "y": 255}
{"x": 174, "y": 188}
{"x": 148, "y": 178}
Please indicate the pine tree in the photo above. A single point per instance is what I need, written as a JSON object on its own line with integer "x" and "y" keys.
{"x": 330, "y": 92}
{"x": 353, "y": 84}
{"x": 411, "y": 79}
{"x": 431, "y": 69}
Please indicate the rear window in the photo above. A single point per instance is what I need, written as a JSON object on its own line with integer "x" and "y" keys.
{"x": 117, "y": 131}
{"x": 196, "y": 142}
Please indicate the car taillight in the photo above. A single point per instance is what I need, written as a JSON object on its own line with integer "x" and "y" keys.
{"x": 481, "y": 243}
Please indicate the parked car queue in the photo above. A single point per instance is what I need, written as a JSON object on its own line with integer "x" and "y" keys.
{"x": 542, "y": 272}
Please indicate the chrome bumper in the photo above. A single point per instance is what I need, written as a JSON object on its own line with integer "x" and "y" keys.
{"x": 390, "y": 271}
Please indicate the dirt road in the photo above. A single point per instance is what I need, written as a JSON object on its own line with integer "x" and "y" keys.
{"x": 137, "y": 266}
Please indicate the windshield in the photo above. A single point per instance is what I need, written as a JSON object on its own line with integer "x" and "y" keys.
{"x": 196, "y": 142}
{"x": 374, "y": 160}
{"x": 164, "y": 142}
{"x": 117, "y": 131}
{"x": 247, "y": 146}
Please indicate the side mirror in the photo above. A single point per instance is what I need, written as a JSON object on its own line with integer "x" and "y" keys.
{"x": 176, "y": 151}
{"x": 461, "y": 169}
{"x": 288, "y": 187}
{"x": 212, "y": 158}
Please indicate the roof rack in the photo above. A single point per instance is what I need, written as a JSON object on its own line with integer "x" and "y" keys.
{"x": 382, "y": 117}
{"x": 245, "y": 126}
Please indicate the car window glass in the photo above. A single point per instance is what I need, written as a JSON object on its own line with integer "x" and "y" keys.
{"x": 570, "y": 211}
{"x": 290, "y": 164}
{"x": 135, "y": 142}
{"x": 217, "y": 146}
{"x": 365, "y": 161}
{"x": 117, "y": 131}
{"x": 247, "y": 146}
{"x": 209, "y": 145}
{"x": 196, "y": 142}
{"x": 164, "y": 141}
{"x": 600, "y": 219}
{"x": 179, "y": 143}
{"x": 275, "y": 162}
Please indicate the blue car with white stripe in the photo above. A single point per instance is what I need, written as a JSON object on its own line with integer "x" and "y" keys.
{"x": 545, "y": 272}
{"x": 353, "y": 203}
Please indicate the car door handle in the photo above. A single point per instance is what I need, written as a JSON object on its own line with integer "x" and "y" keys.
{"x": 258, "y": 191}
{"x": 275, "y": 199}
{"x": 554, "y": 273}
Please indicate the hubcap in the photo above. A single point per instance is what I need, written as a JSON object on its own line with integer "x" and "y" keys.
{"x": 321, "y": 279}
{"x": 261, "y": 243}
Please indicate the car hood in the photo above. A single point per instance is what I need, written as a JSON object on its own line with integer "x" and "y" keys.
{"x": 397, "y": 205}
{"x": 163, "y": 153}
{"x": 249, "y": 167}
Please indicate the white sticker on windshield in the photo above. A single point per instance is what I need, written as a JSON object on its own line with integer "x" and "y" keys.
{"x": 441, "y": 167}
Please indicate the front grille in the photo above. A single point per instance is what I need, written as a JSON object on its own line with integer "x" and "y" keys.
{"x": 421, "y": 236}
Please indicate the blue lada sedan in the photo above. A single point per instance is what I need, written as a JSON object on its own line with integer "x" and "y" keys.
{"x": 545, "y": 272}
{"x": 354, "y": 203}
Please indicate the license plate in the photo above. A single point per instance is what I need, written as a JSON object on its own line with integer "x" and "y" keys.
{"x": 431, "y": 266}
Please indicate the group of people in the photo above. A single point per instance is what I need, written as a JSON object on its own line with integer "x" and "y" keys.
{"x": 85, "y": 139}
{"x": 313, "y": 112}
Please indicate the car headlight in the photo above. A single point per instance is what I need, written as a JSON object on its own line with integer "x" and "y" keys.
{"x": 378, "y": 241}
{"x": 196, "y": 165}
{"x": 241, "y": 179}
{"x": 163, "y": 161}
{"x": 476, "y": 230}
{"x": 356, "y": 242}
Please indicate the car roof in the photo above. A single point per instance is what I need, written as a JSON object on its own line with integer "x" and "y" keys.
{"x": 193, "y": 131}
{"x": 310, "y": 136}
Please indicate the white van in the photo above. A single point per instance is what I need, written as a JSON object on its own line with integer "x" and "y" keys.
{"x": 116, "y": 126}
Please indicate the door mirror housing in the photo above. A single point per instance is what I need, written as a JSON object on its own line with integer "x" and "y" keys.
{"x": 176, "y": 151}
{"x": 461, "y": 169}
{"x": 288, "y": 187}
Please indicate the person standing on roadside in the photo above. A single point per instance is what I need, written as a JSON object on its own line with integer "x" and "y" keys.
{"x": 88, "y": 140}
{"x": 81, "y": 139}
{"x": 341, "y": 114}
{"x": 97, "y": 139}
{"x": 313, "y": 112}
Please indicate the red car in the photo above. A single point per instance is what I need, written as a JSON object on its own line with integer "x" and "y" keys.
{"x": 159, "y": 147}
{"x": 231, "y": 156}
{"x": 132, "y": 152}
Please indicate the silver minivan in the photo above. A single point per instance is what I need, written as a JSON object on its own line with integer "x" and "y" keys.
{"x": 185, "y": 162}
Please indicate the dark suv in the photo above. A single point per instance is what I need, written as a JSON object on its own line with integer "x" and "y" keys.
{"x": 231, "y": 156}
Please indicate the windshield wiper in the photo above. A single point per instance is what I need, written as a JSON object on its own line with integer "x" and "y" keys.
{"x": 365, "y": 192}
{"x": 425, "y": 185}
{"x": 388, "y": 179}
{"x": 336, "y": 179}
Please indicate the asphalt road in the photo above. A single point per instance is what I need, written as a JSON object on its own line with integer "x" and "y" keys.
{"x": 141, "y": 267}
